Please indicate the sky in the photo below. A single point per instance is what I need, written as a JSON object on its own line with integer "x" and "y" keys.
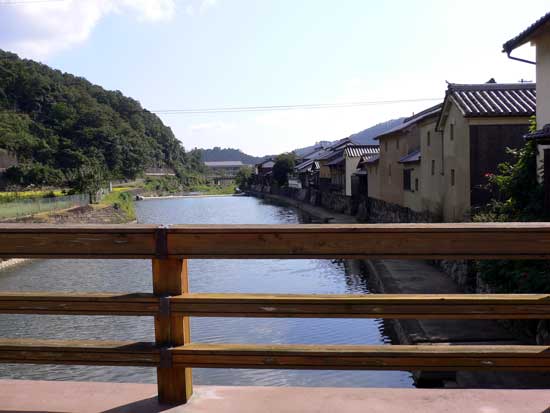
{"x": 201, "y": 54}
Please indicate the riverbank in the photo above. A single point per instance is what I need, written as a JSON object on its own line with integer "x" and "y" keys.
{"x": 420, "y": 277}
{"x": 145, "y": 198}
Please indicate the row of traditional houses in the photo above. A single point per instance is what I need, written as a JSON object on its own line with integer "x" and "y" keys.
{"x": 436, "y": 162}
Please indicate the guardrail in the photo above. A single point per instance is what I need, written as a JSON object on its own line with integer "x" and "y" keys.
{"x": 172, "y": 304}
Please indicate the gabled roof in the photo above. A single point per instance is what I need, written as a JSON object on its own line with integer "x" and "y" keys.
{"x": 266, "y": 162}
{"x": 354, "y": 151}
{"x": 304, "y": 166}
{"x": 339, "y": 143}
{"x": 491, "y": 100}
{"x": 337, "y": 161}
{"x": 223, "y": 164}
{"x": 527, "y": 34}
{"x": 410, "y": 121}
{"x": 411, "y": 157}
{"x": 315, "y": 154}
{"x": 368, "y": 160}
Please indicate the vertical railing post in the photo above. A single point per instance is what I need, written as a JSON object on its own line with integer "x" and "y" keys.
{"x": 170, "y": 278}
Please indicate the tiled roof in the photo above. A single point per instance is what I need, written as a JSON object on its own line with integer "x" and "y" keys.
{"x": 494, "y": 99}
{"x": 304, "y": 166}
{"x": 222, "y": 164}
{"x": 541, "y": 134}
{"x": 526, "y": 35}
{"x": 425, "y": 114}
{"x": 353, "y": 151}
{"x": 368, "y": 159}
{"x": 411, "y": 157}
{"x": 268, "y": 163}
{"x": 337, "y": 161}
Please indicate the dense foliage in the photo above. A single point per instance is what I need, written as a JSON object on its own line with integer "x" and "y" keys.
{"x": 228, "y": 154}
{"x": 517, "y": 196}
{"x": 58, "y": 124}
{"x": 244, "y": 177}
{"x": 284, "y": 165}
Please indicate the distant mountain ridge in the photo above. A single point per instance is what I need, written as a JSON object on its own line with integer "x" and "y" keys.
{"x": 218, "y": 154}
{"x": 365, "y": 137}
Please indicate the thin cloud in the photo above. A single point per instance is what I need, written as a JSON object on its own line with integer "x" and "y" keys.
{"x": 41, "y": 29}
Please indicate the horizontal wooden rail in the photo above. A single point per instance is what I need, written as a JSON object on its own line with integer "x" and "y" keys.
{"x": 79, "y": 352}
{"x": 411, "y": 241}
{"x": 398, "y": 357}
{"x": 398, "y": 306}
{"x": 119, "y": 304}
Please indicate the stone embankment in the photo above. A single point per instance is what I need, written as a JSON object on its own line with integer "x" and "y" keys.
{"x": 420, "y": 277}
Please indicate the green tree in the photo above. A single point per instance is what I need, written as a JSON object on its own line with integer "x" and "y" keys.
{"x": 284, "y": 165}
{"x": 517, "y": 196}
{"x": 243, "y": 177}
{"x": 88, "y": 179}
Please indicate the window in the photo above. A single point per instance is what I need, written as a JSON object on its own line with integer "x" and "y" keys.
{"x": 429, "y": 138}
{"x": 386, "y": 146}
{"x": 452, "y": 177}
{"x": 389, "y": 170}
{"x": 407, "y": 179}
{"x": 433, "y": 167}
{"x": 452, "y": 132}
{"x": 397, "y": 143}
{"x": 416, "y": 184}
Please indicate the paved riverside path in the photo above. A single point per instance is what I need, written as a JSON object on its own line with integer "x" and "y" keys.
{"x": 421, "y": 277}
{"x": 88, "y": 397}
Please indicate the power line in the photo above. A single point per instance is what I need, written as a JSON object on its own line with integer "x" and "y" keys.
{"x": 238, "y": 109}
{"x": 20, "y": 2}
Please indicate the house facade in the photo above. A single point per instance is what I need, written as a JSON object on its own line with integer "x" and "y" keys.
{"x": 477, "y": 124}
{"x": 352, "y": 155}
{"x": 396, "y": 175}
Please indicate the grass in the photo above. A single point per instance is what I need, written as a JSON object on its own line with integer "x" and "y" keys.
{"x": 122, "y": 201}
{"x": 213, "y": 190}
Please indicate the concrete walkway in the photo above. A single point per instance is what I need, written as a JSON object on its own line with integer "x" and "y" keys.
{"x": 85, "y": 397}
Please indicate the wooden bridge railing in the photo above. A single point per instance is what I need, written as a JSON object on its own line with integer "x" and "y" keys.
{"x": 171, "y": 303}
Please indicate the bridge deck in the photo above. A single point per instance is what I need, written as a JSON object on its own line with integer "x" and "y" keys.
{"x": 55, "y": 397}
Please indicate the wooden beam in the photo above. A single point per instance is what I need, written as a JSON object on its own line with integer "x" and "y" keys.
{"x": 96, "y": 353}
{"x": 396, "y": 357}
{"x": 170, "y": 278}
{"x": 399, "y": 306}
{"x": 120, "y": 304}
{"x": 77, "y": 241}
{"x": 407, "y": 241}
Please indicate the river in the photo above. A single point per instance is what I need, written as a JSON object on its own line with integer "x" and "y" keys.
{"x": 310, "y": 276}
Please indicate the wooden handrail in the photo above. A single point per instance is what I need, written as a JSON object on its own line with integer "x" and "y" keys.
{"x": 172, "y": 304}
{"x": 409, "y": 241}
{"x": 397, "y": 306}
{"x": 324, "y": 357}
{"x": 79, "y": 352}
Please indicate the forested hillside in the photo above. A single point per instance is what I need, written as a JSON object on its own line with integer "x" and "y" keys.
{"x": 59, "y": 124}
{"x": 228, "y": 154}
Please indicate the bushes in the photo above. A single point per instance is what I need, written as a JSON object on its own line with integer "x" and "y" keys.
{"x": 517, "y": 196}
